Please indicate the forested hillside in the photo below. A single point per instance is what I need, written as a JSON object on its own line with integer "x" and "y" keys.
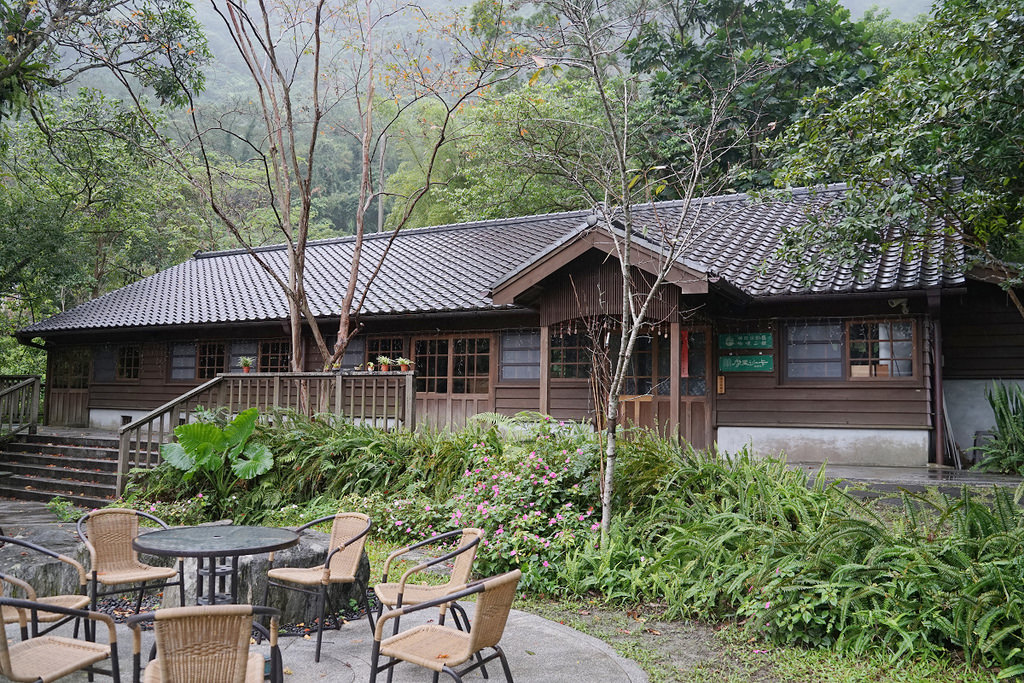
{"x": 142, "y": 132}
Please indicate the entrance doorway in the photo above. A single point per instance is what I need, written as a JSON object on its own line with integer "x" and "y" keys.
{"x": 67, "y": 388}
{"x": 454, "y": 378}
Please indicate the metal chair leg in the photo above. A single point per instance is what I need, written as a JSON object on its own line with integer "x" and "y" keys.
{"x": 369, "y": 613}
{"x": 462, "y": 623}
{"x": 451, "y": 672}
{"x": 138, "y": 602}
{"x": 504, "y": 663}
{"x": 323, "y": 617}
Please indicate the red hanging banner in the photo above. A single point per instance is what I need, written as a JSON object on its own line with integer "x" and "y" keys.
{"x": 684, "y": 354}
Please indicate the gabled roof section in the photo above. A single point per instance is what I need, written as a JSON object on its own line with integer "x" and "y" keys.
{"x": 438, "y": 269}
{"x": 731, "y": 240}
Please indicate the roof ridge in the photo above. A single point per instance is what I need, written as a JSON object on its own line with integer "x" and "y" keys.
{"x": 428, "y": 229}
{"x": 518, "y": 220}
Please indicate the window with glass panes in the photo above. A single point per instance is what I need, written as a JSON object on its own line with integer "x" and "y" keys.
{"x": 129, "y": 362}
{"x": 651, "y": 353}
{"x": 211, "y": 359}
{"x": 471, "y": 365}
{"x": 520, "y": 355}
{"x": 571, "y": 356}
{"x": 392, "y": 347}
{"x": 853, "y": 349}
{"x": 432, "y": 365}
{"x": 275, "y": 356}
{"x": 881, "y": 349}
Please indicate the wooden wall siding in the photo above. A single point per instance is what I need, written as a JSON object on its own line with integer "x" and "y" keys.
{"x": 444, "y": 410}
{"x": 764, "y": 399}
{"x": 982, "y": 335}
{"x": 594, "y": 287}
{"x": 571, "y": 400}
{"x": 151, "y": 390}
{"x": 510, "y": 399}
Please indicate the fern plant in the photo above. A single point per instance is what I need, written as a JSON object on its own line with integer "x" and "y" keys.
{"x": 1005, "y": 451}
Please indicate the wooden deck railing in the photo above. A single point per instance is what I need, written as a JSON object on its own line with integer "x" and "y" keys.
{"x": 19, "y": 404}
{"x": 384, "y": 399}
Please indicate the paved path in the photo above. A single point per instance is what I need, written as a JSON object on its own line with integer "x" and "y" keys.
{"x": 538, "y": 650}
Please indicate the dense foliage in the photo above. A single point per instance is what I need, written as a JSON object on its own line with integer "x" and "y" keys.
{"x": 704, "y": 535}
{"x": 945, "y": 114}
{"x": 1004, "y": 452}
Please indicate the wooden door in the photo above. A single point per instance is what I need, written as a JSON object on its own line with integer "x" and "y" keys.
{"x": 648, "y": 391}
{"x": 67, "y": 388}
{"x": 695, "y": 381}
{"x": 454, "y": 378}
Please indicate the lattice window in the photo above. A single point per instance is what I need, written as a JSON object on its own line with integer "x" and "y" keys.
{"x": 211, "y": 359}
{"x": 881, "y": 349}
{"x": 471, "y": 365}
{"x": 432, "y": 365}
{"x": 571, "y": 356}
{"x": 275, "y": 356}
{"x": 129, "y": 362}
{"x": 392, "y": 347}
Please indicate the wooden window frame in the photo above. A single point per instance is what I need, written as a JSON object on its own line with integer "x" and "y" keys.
{"x": 847, "y": 375}
{"x": 423, "y": 366}
{"x": 205, "y": 351}
{"x": 583, "y": 345}
{"x": 502, "y": 363}
{"x": 124, "y": 372}
{"x": 374, "y": 344}
{"x": 276, "y": 349}
{"x": 876, "y": 362}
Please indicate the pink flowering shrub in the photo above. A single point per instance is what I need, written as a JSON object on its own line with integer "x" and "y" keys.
{"x": 536, "y": 500}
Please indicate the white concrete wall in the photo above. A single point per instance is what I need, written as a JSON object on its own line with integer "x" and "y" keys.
{"x": 110, "y": 419}
{"x": 837, "y": 446}
{"x": 968, "y": 409}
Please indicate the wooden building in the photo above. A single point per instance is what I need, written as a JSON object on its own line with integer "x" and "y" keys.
{"x": 500, "y": 316}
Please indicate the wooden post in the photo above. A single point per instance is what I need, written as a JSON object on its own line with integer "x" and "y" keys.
{"x": 122, "y": 462}
{"x": 545, "y": 370}
{"x": 337, "y": 394}
{"x": 410, "y": 401}
{"x": 36, "y": 388}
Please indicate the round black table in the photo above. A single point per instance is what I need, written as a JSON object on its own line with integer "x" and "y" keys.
{"x": 215, "y": 544}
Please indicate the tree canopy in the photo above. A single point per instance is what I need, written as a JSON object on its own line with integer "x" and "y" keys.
{"x": 935, "y": 149}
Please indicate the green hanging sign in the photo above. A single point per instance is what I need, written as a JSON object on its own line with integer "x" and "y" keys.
{"x": 745, "y": 340}
{"x": 746, "y": 363}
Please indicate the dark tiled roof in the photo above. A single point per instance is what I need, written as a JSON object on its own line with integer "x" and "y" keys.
{"x": 452, "y": 268}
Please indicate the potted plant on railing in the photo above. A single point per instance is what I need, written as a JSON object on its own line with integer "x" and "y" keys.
{"x": 385, "y": 363}
{"x": 245, "y": 362}
{"x": 403, "y": 364}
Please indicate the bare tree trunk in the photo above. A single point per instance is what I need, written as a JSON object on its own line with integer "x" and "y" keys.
{"x": 608, "y": 488}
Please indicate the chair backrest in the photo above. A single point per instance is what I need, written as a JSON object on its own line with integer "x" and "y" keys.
{"x": 462, "y": 569}
{"x": 345, "y": 526}
{"x": 203, "y": 644}
{"x": 492, "y": 608}
{"x": 110, "y": 533}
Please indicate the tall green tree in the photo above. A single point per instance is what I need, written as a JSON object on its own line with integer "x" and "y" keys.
{"x": 934, "y": 151}
{"x": 804, "y": 45}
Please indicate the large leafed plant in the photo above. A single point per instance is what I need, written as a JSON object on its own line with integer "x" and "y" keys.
{"x": 220, "y": 456}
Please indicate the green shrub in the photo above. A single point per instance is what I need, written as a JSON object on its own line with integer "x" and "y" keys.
{"x": 1005, "y": 451}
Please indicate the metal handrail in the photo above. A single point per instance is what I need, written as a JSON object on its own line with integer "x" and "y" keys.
{"x": 19, "y": 405}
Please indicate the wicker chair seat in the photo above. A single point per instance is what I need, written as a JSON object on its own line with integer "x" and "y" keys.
{"x": 10, "y": 614}
{"x": 48, "y": 658}
{"x": 307, "y": 576}
{"x": 431, "y": 646}
{"x": 414, "y": 593}
{"x": 135, "y": 573}
{"x": 253, "y": 671}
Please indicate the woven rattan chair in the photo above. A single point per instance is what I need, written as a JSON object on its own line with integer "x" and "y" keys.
{"x": 348, "y": 536}
{"x": 441, "y": 648}
{"x": 403, "y": 593}
{"x": 72, "y": 601}
{"x": 206, "y": 644}
{"x": 48, "y": 658}
{"x": 108, "y": 535}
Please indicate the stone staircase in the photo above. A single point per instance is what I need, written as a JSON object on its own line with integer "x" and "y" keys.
{"x": 82, "y": 469}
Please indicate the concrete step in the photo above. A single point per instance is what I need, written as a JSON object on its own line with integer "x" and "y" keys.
{"x": 43, "y": 490}
{"x": 70, "y": 450}
{"x": 90, "y": 440}
{"x": 69, "y": 474}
